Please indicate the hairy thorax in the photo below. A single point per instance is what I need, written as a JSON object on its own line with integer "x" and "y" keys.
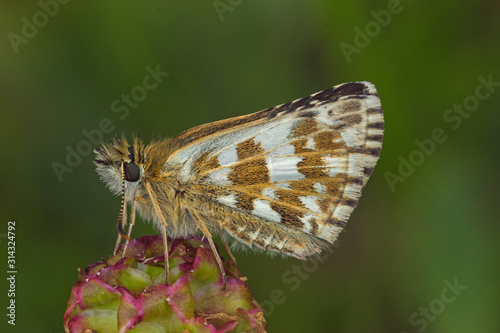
{"x": 174, "y": 200}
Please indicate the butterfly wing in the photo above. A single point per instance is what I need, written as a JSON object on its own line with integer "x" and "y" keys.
{"x": 286, "y": 177}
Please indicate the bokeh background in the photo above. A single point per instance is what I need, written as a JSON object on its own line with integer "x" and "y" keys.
{"x": 417, "y": 228}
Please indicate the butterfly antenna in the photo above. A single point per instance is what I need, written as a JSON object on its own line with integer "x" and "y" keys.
{"x": 119, "y": 223}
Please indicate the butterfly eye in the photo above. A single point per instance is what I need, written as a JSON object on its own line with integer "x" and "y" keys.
{"x": 132, "y": 172}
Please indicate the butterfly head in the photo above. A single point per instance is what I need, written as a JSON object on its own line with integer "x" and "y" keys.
{"x": 120, "y": 164}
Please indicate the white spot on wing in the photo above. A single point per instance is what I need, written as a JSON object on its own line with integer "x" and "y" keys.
{"x": 373, "y": 144}
{"x": 264, "y": 210}
{"x": 284, "y": 168}
{"x": 342, "y": 212}
{"x": 282, "y": 151}
{"x": 270, "y": 193}
{"x": 369, "y": 160}
{"x": 310, "y": 143}
{"x": 319, "y": 188}
{"x": 277, "y": 136}
{"x": 375, "y": 118}
{"x": 355, "y": 165}
{"x": 220, "y": 177}
{"x": 328, "y": 232}
{"x": 285, "y": 186}
{"x": 310, "y": 203}
{"x": 374, "y": 131}
{"x": 228, "y": 200}
{"x": 372, "y": 101}
{"x": 253, "y": 235}
{"x": 228, "y": 156}
{"x": 353, "y": 136}
{"x": 268, "y": 240}
{"x": 335, "y": 165}
{"x": 352, "y": 191}
{"x": 279, "y": 243}
{"x": 306, "y": 220}
{"x": 326, "y": 118}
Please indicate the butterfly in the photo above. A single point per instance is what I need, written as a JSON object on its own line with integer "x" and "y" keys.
{"x": 283, "y": 180}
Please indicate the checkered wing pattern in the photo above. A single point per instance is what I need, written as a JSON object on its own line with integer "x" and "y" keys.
{"x": 289, "y": 176}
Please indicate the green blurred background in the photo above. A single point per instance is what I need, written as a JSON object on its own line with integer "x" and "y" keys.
{"x": 414, "y": 229}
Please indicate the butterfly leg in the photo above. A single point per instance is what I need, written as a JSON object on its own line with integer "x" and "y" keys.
{"x": 121, "y": 224}
{"x": 207, "y": 234}
{"x": 130, "y": 226}
{"x": 163, "y": 226}
{"x": 228, "y": 251}
{"x": 165, "y": 249}
{"x": 118, "y": 240}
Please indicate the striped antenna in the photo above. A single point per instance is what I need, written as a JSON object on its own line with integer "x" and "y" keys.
{"x": 119, "y": 223}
